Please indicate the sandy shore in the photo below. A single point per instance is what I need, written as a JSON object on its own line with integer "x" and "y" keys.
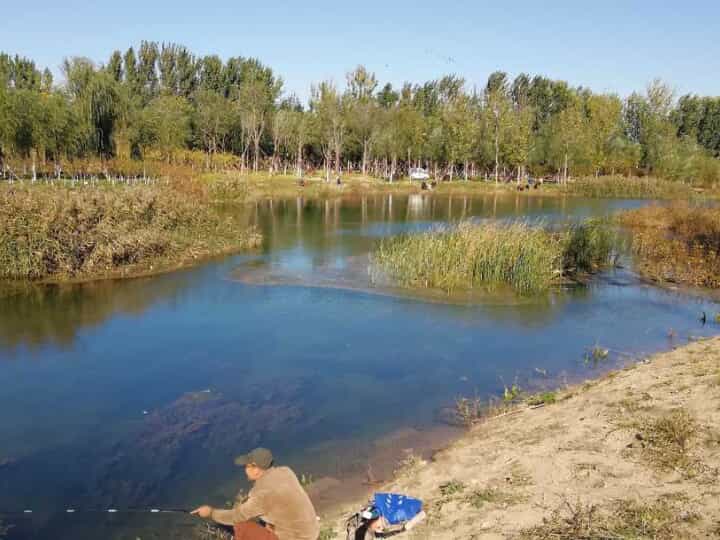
{"x": 633, "y": 455}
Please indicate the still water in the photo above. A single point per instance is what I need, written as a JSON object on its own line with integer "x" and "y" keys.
{"x": 138, "y": 393}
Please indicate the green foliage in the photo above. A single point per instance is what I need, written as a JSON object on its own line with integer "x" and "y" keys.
{"x": 165, "y": 124}
{"x": 546, "y": 398}
{"x": 157, "y": 99}
{"x": 511, "y": 393}
{"x": 589, "y": 245}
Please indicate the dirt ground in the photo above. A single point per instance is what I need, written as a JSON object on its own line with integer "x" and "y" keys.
{"x": 633, "y": 455}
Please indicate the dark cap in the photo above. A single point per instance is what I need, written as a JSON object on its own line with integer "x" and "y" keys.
{"x": 262, "y": 457}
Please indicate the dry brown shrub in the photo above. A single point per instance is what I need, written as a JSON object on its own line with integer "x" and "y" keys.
{"x": 96, "y": 231}
{"x": 678, "y": 243}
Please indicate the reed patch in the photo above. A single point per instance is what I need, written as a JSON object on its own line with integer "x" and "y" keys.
{"x": 56, "y": 233}
{"x": 630, "y": 187}
{"x": 529, "y": 259}
{"x": 678, "y": 243}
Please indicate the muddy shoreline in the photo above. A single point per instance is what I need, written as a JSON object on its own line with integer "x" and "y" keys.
{"x": 597, "y": 449}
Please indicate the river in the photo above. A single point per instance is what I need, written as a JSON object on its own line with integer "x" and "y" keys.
{"x": 138, "y": 393}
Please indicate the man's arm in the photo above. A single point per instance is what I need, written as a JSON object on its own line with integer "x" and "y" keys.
{"x": 250, "y": 509}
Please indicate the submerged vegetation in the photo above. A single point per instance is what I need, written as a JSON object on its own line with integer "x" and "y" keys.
{"x": 527, "y": 258}
{"x": 678, "y": 243}
{"x": 51, "y": 232}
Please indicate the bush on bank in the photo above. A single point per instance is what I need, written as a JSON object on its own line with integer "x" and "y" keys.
{"x": 678, "y": 243}
{"x": 50, "y": 232}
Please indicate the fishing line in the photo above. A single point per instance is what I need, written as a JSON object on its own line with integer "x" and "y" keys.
{"x": 28, "y": 511}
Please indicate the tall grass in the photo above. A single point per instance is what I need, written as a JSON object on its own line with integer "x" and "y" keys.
{"x": 54, "y": 232}
{"x": 678, "y": 243}
{"x": 529, "y": 259}
{"x": 630, "y": 187}
{"x": 588, "y": 245}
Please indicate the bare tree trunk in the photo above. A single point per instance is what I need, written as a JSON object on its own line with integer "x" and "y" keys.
{"x": 497, "y": 154}
{"x": 256, "y": 157}
{"x": 497, "y": 146}
{"x": 299, "y": 159}
{"x": 364, "y": 156}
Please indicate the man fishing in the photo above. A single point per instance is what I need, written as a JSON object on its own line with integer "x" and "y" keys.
{"x": 277, "y": 507}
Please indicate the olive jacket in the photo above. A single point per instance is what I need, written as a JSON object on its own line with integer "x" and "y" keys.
{"x": 279, "y": 500}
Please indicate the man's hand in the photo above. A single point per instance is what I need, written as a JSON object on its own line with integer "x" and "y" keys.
{"x": 204, "y": 511}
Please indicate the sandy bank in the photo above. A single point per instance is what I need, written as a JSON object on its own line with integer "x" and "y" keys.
{"x": 633, "y": 455}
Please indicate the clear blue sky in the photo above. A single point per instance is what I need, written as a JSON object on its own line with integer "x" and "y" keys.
{"x": 609, "y": 45}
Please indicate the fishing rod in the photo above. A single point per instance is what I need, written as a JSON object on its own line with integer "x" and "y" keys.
{"x": 28, "y": 511}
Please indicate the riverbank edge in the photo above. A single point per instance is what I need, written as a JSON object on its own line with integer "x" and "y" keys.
{"x": 519, "y": 474}
{"x": 254, "y": 188}
{"x": 147, "y": 269}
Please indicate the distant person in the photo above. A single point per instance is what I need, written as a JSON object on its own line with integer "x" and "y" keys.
{"x": 338, "y": 180}
{"x": 277, "y": 507}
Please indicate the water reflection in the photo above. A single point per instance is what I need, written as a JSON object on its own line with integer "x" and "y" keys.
{"x": 116, "y": 409}
{"x": 34, "y": 316}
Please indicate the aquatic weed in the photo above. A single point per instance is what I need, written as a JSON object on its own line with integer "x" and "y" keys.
{"x": 596, "y": 354}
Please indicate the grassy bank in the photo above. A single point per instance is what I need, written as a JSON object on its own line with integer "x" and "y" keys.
{"x": 678, "y": 243}
{"x": 632, "y": 188}
{"x": 58, "y": 233}
{"x": 634, "y": 455}
{"x": 233, "y": 186}
{"x": 527, "y": 258}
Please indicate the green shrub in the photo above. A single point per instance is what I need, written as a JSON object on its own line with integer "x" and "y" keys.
{"x": 589, "y": 245}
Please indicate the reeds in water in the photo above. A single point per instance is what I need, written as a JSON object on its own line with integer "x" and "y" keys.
{"x": 588, "y": 245}
{"x": 527, "y": 258}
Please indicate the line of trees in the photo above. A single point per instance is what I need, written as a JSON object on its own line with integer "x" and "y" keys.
{"x": 163, "y": 102}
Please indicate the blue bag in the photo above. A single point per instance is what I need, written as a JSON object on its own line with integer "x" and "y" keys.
{"x": 396, "y": 508}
